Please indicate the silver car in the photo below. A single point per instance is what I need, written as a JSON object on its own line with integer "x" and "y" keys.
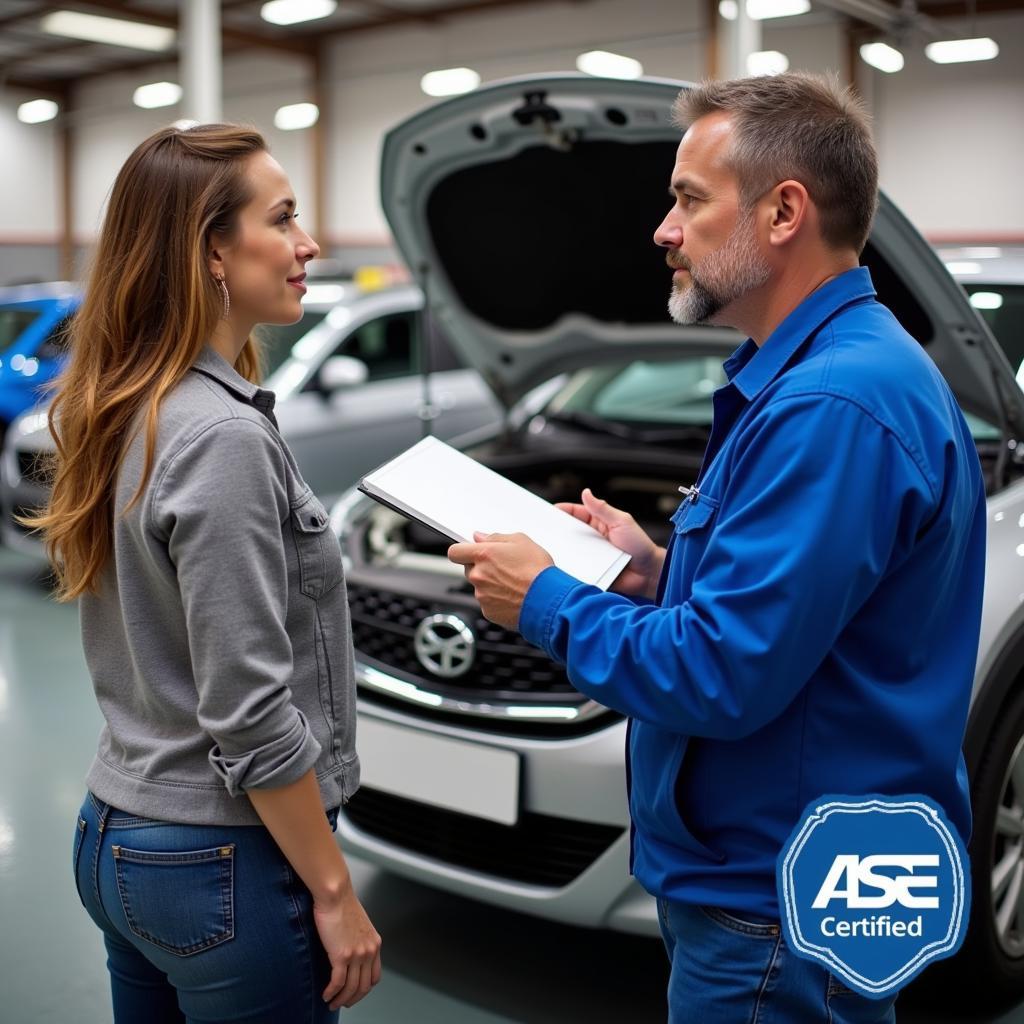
{"x": 485, "y": 772}
{"x": 367, "y": 379}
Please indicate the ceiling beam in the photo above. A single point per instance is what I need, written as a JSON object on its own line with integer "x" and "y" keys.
{"x": 58, "y": 48}
{"x": 13, "y": 19}
{"x": 960, "y": 9}
{"x": 48, "y": 88}
{"x": 885, "y": 16}
{"x": 434, "y": 14}
{"x": 285, "y": 44}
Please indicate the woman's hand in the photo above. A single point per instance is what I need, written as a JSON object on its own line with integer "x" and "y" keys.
{"x": 641, "y": 574}
{"x": 353, "y": 948}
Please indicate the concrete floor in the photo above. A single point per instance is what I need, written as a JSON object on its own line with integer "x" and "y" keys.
{"x": 447, "y": 960}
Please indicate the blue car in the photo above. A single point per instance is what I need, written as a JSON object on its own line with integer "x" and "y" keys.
{"x": 32, "y": 322}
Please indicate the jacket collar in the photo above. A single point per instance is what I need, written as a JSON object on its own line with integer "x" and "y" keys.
{"x": 752, "y": 369}
{"x": 212, "y": 364}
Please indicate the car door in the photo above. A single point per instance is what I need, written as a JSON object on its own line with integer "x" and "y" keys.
{"x": 337, "y": 436}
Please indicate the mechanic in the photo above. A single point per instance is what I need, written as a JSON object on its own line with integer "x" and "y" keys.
{"x": 812, "y": 625}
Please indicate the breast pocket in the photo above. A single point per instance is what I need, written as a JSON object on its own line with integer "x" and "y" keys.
{"x": 695, "y": 513}
{"x": 318, "y": 550}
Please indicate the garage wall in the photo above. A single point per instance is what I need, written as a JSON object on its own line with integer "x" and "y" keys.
{"x": 376, "y": 76}
{"x": 29, "y": 197}
{"x": 951, "y": 138}
{"x": 108, "y": 125}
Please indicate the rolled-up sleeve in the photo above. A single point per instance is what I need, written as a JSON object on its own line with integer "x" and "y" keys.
{"x": 220, "y": 506}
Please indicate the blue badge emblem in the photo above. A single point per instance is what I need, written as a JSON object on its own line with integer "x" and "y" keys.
{"x": 874, "y": 888}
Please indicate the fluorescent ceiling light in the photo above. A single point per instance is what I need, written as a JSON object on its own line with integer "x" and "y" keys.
{"x": 157, "y": 94}
{"x": 291, "y": 12}
{"x": 37, "y": 111}
{"x": 767, "y": 62}
{"x": 971, "y": 252}
{"x": 608, "y": 65}
{"x": 957, "y": 51}
{"x": 986, "y": 300}
{"x": 963, "y": 267}
{"x": 114, "y": 31}
{"x": 296, "y": 115}
{"x": 729, "y": 9}
{"x": 759, "y": 10}
{"x": 449, "y": 81}
{"x": 882, "y": 56}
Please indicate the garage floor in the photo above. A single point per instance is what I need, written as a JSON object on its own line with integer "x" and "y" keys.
{"x": 447, "y": 961}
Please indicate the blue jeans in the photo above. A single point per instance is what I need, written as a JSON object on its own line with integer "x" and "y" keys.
{"x": 738, "y": 970}
{"x": 201, "y": 923}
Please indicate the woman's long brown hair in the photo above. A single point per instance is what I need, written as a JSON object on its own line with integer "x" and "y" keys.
{"x": 150, "y": 306}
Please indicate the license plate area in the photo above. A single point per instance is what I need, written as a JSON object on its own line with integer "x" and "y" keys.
{"x": 470, "y": 778}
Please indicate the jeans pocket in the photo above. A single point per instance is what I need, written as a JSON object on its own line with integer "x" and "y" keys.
{"x": 763, "y": 929}
{"x": 76, "y": 855}
{"x": 182, "y": 902}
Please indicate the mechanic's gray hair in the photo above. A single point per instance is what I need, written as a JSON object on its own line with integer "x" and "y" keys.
{"x": 799, "y": 126}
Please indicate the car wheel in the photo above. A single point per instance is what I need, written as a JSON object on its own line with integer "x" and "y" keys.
{"x": 989, "y": 968}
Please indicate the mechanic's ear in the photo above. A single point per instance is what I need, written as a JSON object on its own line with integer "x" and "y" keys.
{"x": 789, "y": 206}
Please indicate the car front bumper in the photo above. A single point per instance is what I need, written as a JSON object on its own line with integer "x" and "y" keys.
{"x": 576, "y": 782}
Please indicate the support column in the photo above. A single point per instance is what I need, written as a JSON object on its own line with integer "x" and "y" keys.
{"x": 741, "y": 38}
{"x": 712, "y": 42}
{"x": 199, "y": 58}
{"x": 321, "y": 97}
{"x": 65, "y": 146}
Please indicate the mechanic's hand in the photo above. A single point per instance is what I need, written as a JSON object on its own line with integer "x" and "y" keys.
{"x": 641, "y": 574}
{"x": 353, "y": 949}
{"x": 501, "y": 567}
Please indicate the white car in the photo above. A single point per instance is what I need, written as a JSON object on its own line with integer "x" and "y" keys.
{"x": 486, "y": 773}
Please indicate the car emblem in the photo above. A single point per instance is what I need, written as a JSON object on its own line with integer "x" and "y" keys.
{"x": 445, "y": 645}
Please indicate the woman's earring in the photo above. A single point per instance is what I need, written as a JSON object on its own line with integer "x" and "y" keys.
{"x": 227, "y": 298}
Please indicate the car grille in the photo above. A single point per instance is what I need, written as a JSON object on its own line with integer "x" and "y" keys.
{"x": 36, "y": 467}
{"x": 539, "y": 850}
{"x": 506, "y": 667}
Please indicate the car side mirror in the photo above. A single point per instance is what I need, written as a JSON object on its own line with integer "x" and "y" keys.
{"x": 342, "y": 372}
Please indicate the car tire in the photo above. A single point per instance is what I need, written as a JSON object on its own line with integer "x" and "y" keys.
{"x": 988, "y": 970}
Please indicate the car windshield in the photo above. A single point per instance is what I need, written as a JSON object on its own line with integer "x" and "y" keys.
{"x": 640, "y": 397}
{"x": 643, "y": 393}
{"x": 13, "y": 322}
{"x": 1002, "y": 307}
{"x": 277, "y": 340}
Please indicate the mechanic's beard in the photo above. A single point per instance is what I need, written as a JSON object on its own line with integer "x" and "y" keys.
{"x": 721, "y": 277}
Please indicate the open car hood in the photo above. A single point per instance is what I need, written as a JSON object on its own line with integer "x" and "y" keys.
{"x": 526, "y": 210}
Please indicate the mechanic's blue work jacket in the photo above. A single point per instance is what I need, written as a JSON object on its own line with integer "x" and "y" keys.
{"x": 816, "y": 624}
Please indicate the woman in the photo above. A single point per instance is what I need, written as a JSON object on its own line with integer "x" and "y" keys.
{"x": 213, "y": 607}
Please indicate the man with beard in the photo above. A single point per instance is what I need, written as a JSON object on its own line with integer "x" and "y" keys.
{"x": 812, "y": 626}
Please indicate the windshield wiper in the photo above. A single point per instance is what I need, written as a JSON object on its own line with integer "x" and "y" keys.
{"x": 615, "y": 428}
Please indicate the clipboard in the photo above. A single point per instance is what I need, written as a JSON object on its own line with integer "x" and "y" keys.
{"x": 448, "y": 492}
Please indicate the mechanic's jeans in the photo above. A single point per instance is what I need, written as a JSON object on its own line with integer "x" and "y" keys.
{"x": 201, "y": 923}
{"x": 731, "y": 971}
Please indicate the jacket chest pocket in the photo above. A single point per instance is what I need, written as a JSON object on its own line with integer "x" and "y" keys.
{"x": 695, "y": 513}
{"x": 318, "y": 550}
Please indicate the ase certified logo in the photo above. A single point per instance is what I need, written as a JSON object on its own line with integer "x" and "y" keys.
{"x": 875, "y": 888}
